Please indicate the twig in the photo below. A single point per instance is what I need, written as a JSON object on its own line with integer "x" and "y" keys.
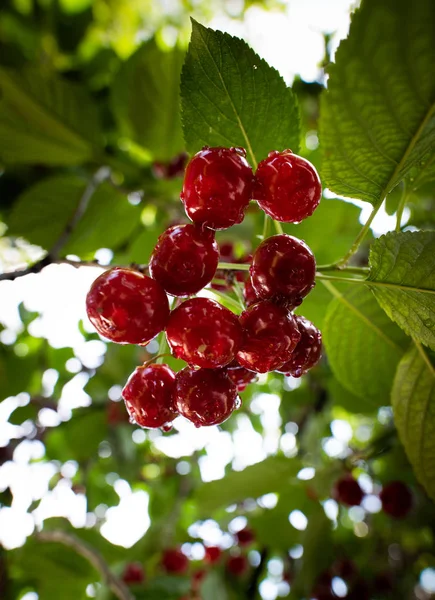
{"x": 90, "y": 554}
{"x": 251, "y": 592}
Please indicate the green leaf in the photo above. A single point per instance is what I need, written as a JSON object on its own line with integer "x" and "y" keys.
{"x": 270, "y": 475}
{"x": 407, "y": 260}
{"x": 43, "y": 211}
{"x": 378, "y": 115}
{"x": 413, "y": 400}
{"x": 145, "y": 100}
{"x": 45, "y": 120}
{"x": 353, "y": 404}
{"x": 78, "y": 438}
{"x": 363, "y": 345}
{"x": 232, "y": 97}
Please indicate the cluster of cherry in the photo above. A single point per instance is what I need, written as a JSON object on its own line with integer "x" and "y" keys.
{"x": 224, "y": 352}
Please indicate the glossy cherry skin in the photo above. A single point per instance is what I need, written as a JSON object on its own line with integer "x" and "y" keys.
{"x": 174, "y": 561}
{"x": 184, "y": 259}
{"x": 271, "y": 335}
{"x": 287, "y": 187}
{"x": 217, "y": 187}
{"x": 237, "y": 565}
{"x": 205, "y": 396}
{"x": 127, "y": 307}
{"x": 308, "y": 351}
{"x": 245, "y": 536}
{"x": 396, "y": 499}
{"x": 149, "y": 395}
{"x": 283, "y": 270}
{"x": 204, "y": 333}
{"x": 249, "y": 295}
{"x": 348, "y": 491}
{"x": 133, "y": 574}
{"x": 240, "y": 376}
{"x": 212, "y": 554}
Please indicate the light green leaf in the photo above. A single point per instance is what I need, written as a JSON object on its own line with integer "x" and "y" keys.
{"x": 405, "y": 262}
{"x": 232, "y": 97}
{"x": 42, "y": 212}
{"x": 378, "y": 115}
{"x": 45, "y": 120}
{"x": 413, "y": 399}
{"x": 270, "y": 475}
{"x": 146, "y": 100}
{"x": 363, "y": 345}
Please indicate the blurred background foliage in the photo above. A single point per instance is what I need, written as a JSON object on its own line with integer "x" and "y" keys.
{"x": 98, "y": 81}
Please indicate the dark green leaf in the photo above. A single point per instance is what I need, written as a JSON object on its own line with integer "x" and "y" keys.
{"x": 146, "y": 100}
{"x": 363, "y": 346}
{"x": 45, "y": 120}
{"x": 232, "y": 97}
{"x": 378, "y": 115}
{"x": 407, "y": 260}
{"x": 413, "y": 399}
{"x": 79, "y": 438}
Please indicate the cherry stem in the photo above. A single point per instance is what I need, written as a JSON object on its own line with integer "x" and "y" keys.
{"x": 163, "y": 349}
{"x": 278, "y": 227}
{"x": 224, "y": 266}
{"x": 360, "y": 237}
{"x": 227, "y": 299}
{"x": 156, "y": 359}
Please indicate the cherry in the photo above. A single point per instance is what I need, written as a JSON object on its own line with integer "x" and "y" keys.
{"x": 348, "y": 491}
{"x": 149, "y": 395}
{"x": 237, "y": 565}
{"x": 344, "y": 568}
{"x": 184, "y": 259}
{"x": 205, "y": 396}
{"x": 174, "y": 561}
{"x": 271, "y": 335}
{"x": 212, "y": 554}
{"x": 396, "y": 499}
{"x": 240, "y": 376}
{"x": 217, "y": 187}
{"x": 249, "y": 295}
{"x": 133, "y": 573}
{"x": 204, "y": 333}
{"x": 308, "y": 351}
{"x": 197, "y": 578}
{"x": 283, "y": 269}
{"x": 174, "y": 168}
{"x": 323, "y": 587}
{"x": 287, "y": 187}
{"x": 127, "y": 307}
{"x": 116, "y": 413}
{"x": 245, "y": 536}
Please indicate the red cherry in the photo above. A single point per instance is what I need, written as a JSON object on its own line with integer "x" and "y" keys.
{"x": 184, "y": 259}
{"x": 245, "y": 536}
{"x": 308, "y": 351}
{"x": 197, "y": 579}
{"x": 133, "y": 573}
{"x": 212, "y": 554}
{"x": 237, "y": 565}
{"x": 240, "y": 376}
{"x": 348, "y": 491}
{"x": 271, "y": 335}
{"x": 287, "y": 187}
{"x": 283, "y": 269}
{"x": 396, "y": 499}
{"x": 249, "y": 294}
{"x": 127, "y": 307}
{"x": 204, "y": 333}
{"x": 174, "y": 168}
{"x": 323, "y": 587}
{"x": 149, "y": 395}
{"x": 344, "y": 568}
{"x": 217, "y": 187}
{"x": 116, "y": 413}
{"x": 174, "y": 561}
{"x": 205, "y": 396}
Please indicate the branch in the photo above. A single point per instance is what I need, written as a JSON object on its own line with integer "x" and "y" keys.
{"x": 90, "y": 554}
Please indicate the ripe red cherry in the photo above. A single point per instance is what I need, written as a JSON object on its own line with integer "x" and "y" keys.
{"x": 396, "y": 499}
{"x": 174, "y": 561}
{"x": 217, "y": 187}
{"x": 212, "y": 554}
{"x": 149, "y": 395}
{"x": 249, "y": 294}
{"x": 271, "y": 335}
{"x": 127, "y": 307}
{"x": 237, "y": 565}
{"x": 348, "y": 491}
{"x": 184, "y": 259}
{"x": 283, "y": 270}
{"x": 204, "y": 333}
{"x": 205, "y": 396}
{"x": 308, "y": 351}
{"x": 287, "y": 187}
{"x": 245, "y": 536}
{"x": 174, "y": 168}
{"x": 240, "y": 376}
{"x": 133, "y": 573}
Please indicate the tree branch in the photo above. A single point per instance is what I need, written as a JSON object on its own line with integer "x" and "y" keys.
{"x": 90, "y": 554}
